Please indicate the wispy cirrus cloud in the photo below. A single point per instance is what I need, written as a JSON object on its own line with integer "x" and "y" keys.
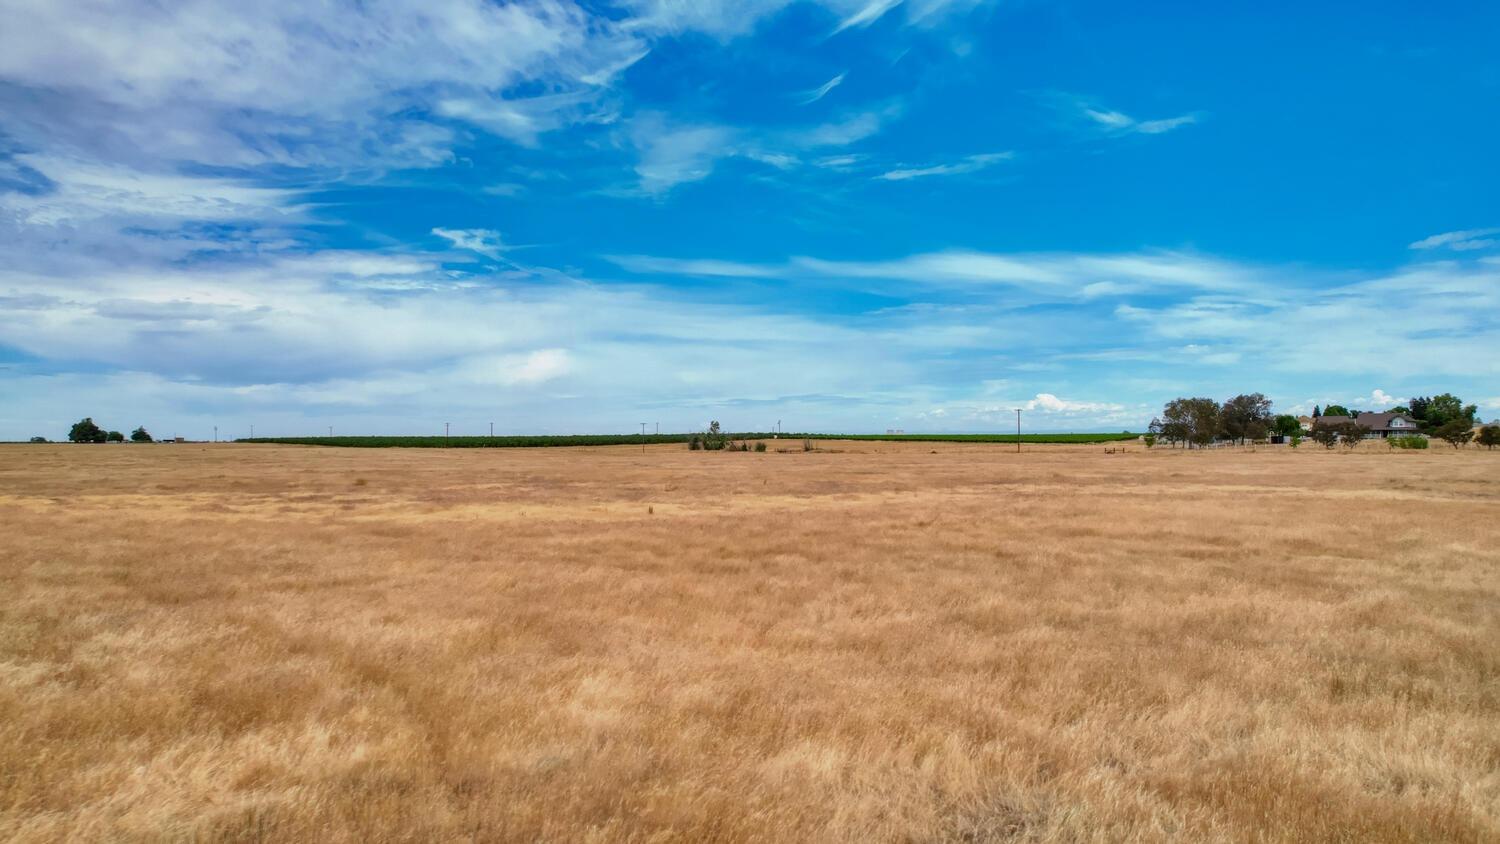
{"x": 485, "y": 242}
{"x": 818, "y": 93}
{"x": 1460, "y": 241}
{"x": 1119, "y": 123}
{"x": 672, "y": 152}
{"x": 967, "y": 164}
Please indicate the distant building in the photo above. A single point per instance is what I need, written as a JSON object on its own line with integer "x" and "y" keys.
{"x": 1306, "y": 422}
{"x": 1378, "y": 426}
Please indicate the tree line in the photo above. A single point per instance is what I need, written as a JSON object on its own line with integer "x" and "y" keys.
{"x": 86, "y": 430}
{"x": 1248, "y": 416}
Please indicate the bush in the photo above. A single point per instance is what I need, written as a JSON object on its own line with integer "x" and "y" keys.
{"x": 1351, "y": 433}
{"x": 38, "y": 439}
{"x": 1149, "y": 440}
{"x": 1456, "y": 433}
{"x": 1489, "y": 436}
{"x": 760, "y": 446}
{"x": 1294, "y": 440}
{"x": 696, "y": 443}
{"x": 1410, "y": 441}
{"x": 114, "y": 437}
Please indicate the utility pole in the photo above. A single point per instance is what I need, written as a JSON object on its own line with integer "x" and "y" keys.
{"x": 1018, "y": 430}
{"x": 445, "y": 434}
{"x": 643, "y": 438}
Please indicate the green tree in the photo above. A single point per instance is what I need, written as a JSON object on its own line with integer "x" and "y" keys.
{"x": 1193, "y": 421}
{"x": 85, "y": 431}
{"x": 38, "y": 439}
{"x": 1350, "y": 433}
{"x": 1489, "y": 436}
{"x": 1437, "y": 411}
{"x": 1456, "y": 433}
{"x": 139, "y": 435}
{"x": 714, "y": 439}
{"x": 1286, "y": 425}
{"x": 1317, "y": 412}
{"x": 114, "y": 437}
{"x": 1325, "y": 435}
{"x": 1336, "y": 410}
{"x": 1246, "y": 417}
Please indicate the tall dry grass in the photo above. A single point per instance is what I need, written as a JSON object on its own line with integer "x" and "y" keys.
{"x": 885, "y": 643}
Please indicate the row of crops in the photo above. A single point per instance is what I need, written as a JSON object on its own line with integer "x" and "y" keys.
{"x": 637, "y": 439}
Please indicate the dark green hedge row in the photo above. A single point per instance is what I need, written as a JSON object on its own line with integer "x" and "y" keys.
{"x": 637, "y": 439}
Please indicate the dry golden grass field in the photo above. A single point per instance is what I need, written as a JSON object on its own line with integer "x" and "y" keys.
{"x": 876, "y": 642}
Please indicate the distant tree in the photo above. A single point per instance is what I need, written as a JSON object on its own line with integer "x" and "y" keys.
{"x": 1336, "y": 410}
{"x": 1245, "y": 417}
{"x": 139, "y": 435}
{"x": 714, "y": 439}
{"x": 85, "y": 431}
{"x": 1316, "y": 412}
{"x": 1194, "y": 421}
{"x": 1167, "y": 431}
{"x": 1401, "y": 409}
{"x": 1350, "y": 433}
{"x": 38, "y": 439}
{"x": 1325, "y": 435}
{"x": 1437, "y": 411}
{"x": 1286, "y": 425}
{"x": 114, "y": 437}
{"x": 1456, "y": 433}
{"x": 1489, "y": 436}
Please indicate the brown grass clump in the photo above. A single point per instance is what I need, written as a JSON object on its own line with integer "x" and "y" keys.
{"x": 883, "y": 642}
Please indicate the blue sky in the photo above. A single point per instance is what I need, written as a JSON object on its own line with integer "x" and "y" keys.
{"x": 847, "y": 215}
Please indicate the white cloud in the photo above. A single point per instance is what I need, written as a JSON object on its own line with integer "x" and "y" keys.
{"x": 691, "y": 267}
{"x": 486, "y": 242}
{"x": 1378, "y": 400}
{"x": 1120, "y": 123}
{"x": 1049, "y": 403}
{"x": 672, "y": 154}
{"x": 968, "y": 164}
{"x": 84, "y": 191}
{"x": 818, "y": 93}
{"x": 871, "y": 11}
{"x": 1460, "y": 241}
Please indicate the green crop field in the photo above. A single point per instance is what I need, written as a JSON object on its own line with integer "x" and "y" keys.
{"x": 637, "y": 439}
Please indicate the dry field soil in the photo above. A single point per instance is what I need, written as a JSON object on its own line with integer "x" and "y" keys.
{"x": 872, "y": 642}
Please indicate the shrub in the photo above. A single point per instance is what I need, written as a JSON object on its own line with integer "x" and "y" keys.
{"x": 1489, "y": 436}
{"x": 760, "y": 446}
{"x": 38, "y": 439}
{"x": 696, "y": 443}
{"x": 1410, "y": 441}
{"x": 1456, "y": 433}
{"x": 1294, "y": 440}
{"x": 1351, "y": 433}
{"x": 1325, "y": 435}
{"x": 1149, "y": 440}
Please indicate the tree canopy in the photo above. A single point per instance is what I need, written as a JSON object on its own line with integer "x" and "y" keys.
{"x": 1336, "y": 410}
{"x": 1489, "y": 436}
{"x": 139, "y": 435}
{"x": 85, "y": 431}
{"x": 1246, "y": 416}
{"x": 1436, "y": 411}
